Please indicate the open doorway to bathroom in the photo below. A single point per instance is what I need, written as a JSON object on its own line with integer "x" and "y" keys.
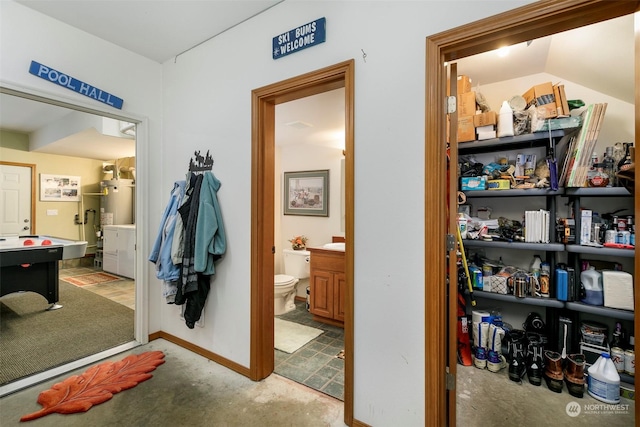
{"x": 264, "y": 101}
{"x": 309, "y": 138}
{"x": 110, "y": 324}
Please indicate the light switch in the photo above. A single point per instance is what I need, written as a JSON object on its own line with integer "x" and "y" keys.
{"x": 52, "y": 212}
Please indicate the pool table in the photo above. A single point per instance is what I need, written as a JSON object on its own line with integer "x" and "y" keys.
{"x": 30, "y": 263}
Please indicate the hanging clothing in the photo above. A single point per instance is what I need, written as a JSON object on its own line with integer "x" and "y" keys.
{"x": 211, "y": 241}
{"x": 160, "y": 255}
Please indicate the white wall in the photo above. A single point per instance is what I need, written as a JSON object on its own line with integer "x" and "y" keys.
{"x": 207, "y": 105}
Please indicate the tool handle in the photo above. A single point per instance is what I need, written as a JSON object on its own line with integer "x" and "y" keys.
{"x": 466, "y": 267}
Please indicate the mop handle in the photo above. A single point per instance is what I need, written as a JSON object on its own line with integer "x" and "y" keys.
{"x": 466, "y": 267}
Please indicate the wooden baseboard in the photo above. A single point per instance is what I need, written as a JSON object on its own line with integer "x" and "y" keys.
{"x": 242, "y": 370}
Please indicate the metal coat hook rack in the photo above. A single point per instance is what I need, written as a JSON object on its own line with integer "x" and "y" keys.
{"x": 200, "y": 163}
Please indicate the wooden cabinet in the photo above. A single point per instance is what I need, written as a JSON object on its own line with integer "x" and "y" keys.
{"x": 327, "y": 286}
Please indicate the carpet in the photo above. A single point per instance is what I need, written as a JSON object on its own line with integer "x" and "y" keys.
{"x": 290, "y": 336}
{"x": 91, "y": 279}
{"x": 98, "y": 384}
{"x": 34, "y": 340}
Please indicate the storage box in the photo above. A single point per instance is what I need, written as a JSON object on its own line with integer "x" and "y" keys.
{"x": 466, "y": 131}
{"x": 470, "y": 183}
{"x": 485, "y": 119}
{"x": 543, "y": 97}
{"x": 464, "y": 85}
{"x": 498, "y": 283}
{"x": 618, "y": 289}
{"x": 498, "y": 184}
{"x": 467, "y": 105}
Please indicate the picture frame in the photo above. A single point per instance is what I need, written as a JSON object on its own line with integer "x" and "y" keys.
{"x": 306, "y": 193}
{"x": 59, "y": 188}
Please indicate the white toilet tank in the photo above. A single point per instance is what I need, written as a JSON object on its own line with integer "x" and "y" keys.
{"x": 296, "y": 263}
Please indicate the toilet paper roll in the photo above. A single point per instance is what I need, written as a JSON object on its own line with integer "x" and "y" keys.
{"x": 496, "y": 335}
{"x": 480, "y": 334}
{"x": 477, "y": 315}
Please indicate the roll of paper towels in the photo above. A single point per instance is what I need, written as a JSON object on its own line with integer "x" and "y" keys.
{"x": 477, "y": 315}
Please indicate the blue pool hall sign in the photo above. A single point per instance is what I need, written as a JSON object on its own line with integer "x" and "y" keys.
{"x": 299, "y": 38}
{"x": 64, "y": 80}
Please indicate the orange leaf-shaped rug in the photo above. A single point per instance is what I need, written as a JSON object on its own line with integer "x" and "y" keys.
{"x": 97, "y": 385}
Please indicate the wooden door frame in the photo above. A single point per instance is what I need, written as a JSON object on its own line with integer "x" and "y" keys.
{"x": 263, "y": 104}
{"x": 538, "y": 19}
{"x": 33, "y": 191}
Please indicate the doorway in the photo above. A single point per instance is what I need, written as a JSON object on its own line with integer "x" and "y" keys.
{"x": 135, "y": 323}
{"x": 264, "y": 101}
{"x": 519, "y": 25}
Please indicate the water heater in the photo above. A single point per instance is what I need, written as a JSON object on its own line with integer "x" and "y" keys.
{"x": 117, "y": 202}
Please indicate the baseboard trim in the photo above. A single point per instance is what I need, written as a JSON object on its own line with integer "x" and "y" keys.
{"x": 242, "y": 370}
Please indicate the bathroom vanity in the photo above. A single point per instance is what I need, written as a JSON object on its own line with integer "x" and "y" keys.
{"x": 327, "y": 284}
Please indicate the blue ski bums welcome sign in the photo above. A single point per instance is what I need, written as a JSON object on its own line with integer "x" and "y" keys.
{"x": 299, "y": 38}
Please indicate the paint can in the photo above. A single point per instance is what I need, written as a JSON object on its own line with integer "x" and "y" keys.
{"x": 617, "y": 357}
{"x": 630, "y": 362}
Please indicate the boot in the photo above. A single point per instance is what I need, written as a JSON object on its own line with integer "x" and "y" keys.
{"x": 517, "y": 354}
{"x": 553, "y": 370}
{"x": 574, "y": 374}
{"x": 534, "y": 358}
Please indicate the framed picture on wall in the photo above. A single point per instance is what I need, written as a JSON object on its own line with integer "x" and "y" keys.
{"x": 306, "y": 193}
{"x": 59, "y": 188}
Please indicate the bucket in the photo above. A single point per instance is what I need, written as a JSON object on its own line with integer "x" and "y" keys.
{"x": 604, "y": 380}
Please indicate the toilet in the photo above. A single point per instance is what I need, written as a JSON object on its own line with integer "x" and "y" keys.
{"x": 296, "y": 267}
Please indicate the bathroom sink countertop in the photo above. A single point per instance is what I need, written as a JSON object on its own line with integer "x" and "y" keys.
{"x": 339, "y": 246}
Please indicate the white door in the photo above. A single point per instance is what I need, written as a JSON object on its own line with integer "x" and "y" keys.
{"x": 15, "y": 200}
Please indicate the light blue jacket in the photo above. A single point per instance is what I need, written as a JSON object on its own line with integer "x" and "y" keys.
{"x": 211, "y": 241}
{"x": 166, "y": 270}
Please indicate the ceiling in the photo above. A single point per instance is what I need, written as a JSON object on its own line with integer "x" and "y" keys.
{"x": 163, "y": 29}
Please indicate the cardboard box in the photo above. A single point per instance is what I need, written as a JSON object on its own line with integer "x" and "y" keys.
{"x": 467, "y": 104}
{"x": 539, "y": 95}
{"x": 466, "y": 131}
{"x": 485, "y": 119}
{"x": 471, "y": 183}
{"x": 464, "y": 85}
{"x": 498, "y": 184}
{"x": 543, "y": 97}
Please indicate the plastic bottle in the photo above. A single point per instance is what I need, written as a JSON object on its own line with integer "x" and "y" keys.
{"x": 609, "y": 166}
{"x": 592, "y": 282}
{"x": 604, "y": 380}
{"x": 505, "y": 121}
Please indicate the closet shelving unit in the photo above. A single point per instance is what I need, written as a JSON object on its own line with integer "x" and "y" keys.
{"x": 547, "y": 140}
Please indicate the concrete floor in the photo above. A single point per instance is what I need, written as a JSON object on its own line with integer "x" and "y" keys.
{"x": 188, "y": 390}
{"x": 485, "y": 398}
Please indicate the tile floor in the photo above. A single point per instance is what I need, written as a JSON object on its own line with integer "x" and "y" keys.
{"x": 316, "y": 364}
{"x": 121, "y": 291}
